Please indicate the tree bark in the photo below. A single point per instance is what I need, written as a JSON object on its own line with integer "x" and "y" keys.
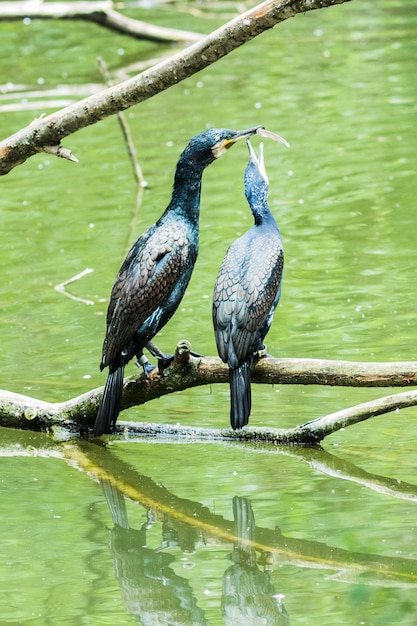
{"x": 47, "y": 132}
{"x": 18, "y": 411}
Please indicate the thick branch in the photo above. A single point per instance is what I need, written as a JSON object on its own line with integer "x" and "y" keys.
{"x": 51, "y": 130}
{"x": 22, "y": 412}
{"x": 98, "y": 11}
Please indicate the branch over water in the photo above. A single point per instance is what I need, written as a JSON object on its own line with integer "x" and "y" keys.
{"x": 79, "y": 413}
{"x": 50, "y": 130}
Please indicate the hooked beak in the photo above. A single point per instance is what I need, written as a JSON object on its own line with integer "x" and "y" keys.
{"x": 258, "y": 161}
{"x": 223, "y": 145}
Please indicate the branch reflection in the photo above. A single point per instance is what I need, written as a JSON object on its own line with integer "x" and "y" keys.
{"x": 153, "y": 591}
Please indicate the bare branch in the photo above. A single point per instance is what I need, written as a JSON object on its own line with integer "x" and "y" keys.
{"x": 61, "y": 152}
{"x": 51, "y": 130}
{"x": 127, "y": 135}
{"x": 187, "y": 371}
{"x": 61, "y": 287}
{"x": 99, "y": 11}
{"x": 324, "y": 426}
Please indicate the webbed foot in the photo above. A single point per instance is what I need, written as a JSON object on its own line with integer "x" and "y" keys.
{"x": 164, "y": 361}
{"x": 145, "y": 364}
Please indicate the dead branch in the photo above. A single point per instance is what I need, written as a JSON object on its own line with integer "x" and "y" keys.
{"x": 98, "y": 11}
{"x": 52, "y": 129}
{"x": 60, "y": 288}
{"x": 127, "y": 135}
{"x": 79, "y": 413}
{"x": 62, "y": 153}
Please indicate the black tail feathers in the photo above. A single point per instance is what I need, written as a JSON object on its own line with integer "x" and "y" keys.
{"x": 109, "y": 408}
{"x": 240, "y": 396}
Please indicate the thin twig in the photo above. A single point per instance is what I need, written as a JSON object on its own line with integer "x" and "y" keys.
{"x": 127, "y": 135}
{"x": 61, "y": 287}
{"x": 130, "y": 146}
{"x": 61, "y": 152}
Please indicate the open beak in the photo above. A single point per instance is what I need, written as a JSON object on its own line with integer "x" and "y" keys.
{"x": 258, "y": 161}
{"x": 235, "y": 135}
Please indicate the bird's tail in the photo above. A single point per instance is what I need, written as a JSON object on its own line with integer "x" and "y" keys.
{"x": 240, "y": 396}
{"x": 109, "y": 408}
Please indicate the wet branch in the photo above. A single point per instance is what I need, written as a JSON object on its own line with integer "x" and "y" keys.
{"x": 50, "y": 130}
{"x": 79, "y": 413}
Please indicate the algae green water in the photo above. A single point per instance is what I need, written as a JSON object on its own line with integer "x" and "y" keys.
{"x": 332, "y": 532}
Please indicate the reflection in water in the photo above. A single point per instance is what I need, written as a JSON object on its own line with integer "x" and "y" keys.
{"x": 248, "y": 595}
{"x": 187, "y": 523}
{"x": 151, "y": 588}
{"x": 152, "y": 591}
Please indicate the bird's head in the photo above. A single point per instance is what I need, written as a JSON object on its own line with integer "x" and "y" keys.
{"x": 256, "y": 179}
{"x": 255, "y": 173}
{"x": 209, "y": 145}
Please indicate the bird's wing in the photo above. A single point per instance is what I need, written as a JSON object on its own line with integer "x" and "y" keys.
{"x": 145, "y": 281}
{"x": 245, "y": 292}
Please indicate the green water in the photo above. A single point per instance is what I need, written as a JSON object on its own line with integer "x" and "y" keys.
{"x": 335, "y": 529}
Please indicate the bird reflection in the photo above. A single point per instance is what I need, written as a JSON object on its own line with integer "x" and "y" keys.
{"x": 152, "y": 591}
{"x": 249, "y": 598}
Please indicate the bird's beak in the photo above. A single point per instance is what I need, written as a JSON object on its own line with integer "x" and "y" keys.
{"x": 235, "y": 135}
{"x": 258, "y": 161}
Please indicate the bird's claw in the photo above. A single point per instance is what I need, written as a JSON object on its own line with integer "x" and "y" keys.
{"x": 197, "y": 355}
{"x": 164, "y": 362}
{"x": 145, "y": 365}
{"x": 260, "y": 354}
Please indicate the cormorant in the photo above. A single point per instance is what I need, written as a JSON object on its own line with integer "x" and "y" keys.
{"x": 156, "y": 272}
{"x": 247, "y": 291}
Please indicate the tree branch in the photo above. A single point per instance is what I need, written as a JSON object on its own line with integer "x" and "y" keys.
{"x": 99, "y": 11}
{"x": 52, "y": 129}
{"x": 19, "y": 411}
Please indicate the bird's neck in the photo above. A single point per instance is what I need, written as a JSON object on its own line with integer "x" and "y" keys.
{"x": 186, "y": 192}
{"x": 262, "y": 217}
{"x": 257, "y": 198}
{"x": 261, "y": 213}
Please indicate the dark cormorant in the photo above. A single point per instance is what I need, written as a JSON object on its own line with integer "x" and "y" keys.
{"x": 156, "y": 272}
{"x": 247, "y": 290}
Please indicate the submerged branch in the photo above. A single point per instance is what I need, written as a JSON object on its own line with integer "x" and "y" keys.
{"x": 52, "y": 129}
{"x": 79, "y": 413}
{"x": 60, "y": 288}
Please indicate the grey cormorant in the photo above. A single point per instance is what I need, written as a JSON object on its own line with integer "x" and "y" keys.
{"x": 247, "y": 291}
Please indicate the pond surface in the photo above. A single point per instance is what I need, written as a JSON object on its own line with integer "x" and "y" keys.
{"x": 202, "y": 533}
